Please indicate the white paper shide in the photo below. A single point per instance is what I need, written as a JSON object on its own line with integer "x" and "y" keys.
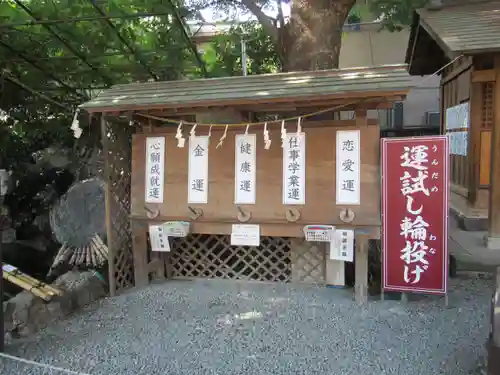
{"x": 158, "y": 238}
{"x": 245, "y": 235}
{"x": 294, "y": 169}
{"x": 245, "y": 169}
{"x": 198, "y": 169}
{"x": 348, "y": 167}
{"x": 155, "y": 169}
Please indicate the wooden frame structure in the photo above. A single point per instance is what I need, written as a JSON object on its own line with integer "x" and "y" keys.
{"x": 463, "y": 37}
{"x": 151, "y": 107}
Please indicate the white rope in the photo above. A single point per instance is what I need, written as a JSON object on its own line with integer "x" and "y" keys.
{"x": 43, "y": 365}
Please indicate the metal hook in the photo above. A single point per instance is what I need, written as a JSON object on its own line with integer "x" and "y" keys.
{"x": 242, "y": 215}
{"x": 292, "y": 215}
{"x": 347, "y": 215}
{"x": 196, "y": 212}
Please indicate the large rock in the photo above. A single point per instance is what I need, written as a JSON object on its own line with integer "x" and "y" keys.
{"x": 25, "y": 314}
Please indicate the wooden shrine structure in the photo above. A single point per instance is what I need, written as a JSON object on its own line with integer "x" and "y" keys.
{"x": 156, "y": 109}
{"x": 464, "y": 35}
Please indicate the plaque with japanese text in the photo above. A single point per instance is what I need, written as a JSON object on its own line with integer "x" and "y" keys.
{"x": 415, "y": 214}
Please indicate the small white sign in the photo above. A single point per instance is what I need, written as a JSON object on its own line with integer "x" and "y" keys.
{"x": 245, "y": 235}
{"x": 348, "y": 167}
{"x": 342, "y": 246}
{"x": 319, "y": 233}
{"x": 155, "y": 169}
{"x": 158, "y": 238}
{"x": 198, "y": 170}
{"x": 245, "y": 169}
{"x": 176, "y": 228}
{"x": 457, "y": 117}
{"x": 458, "y": 143}
{"x": 294, "y": 169}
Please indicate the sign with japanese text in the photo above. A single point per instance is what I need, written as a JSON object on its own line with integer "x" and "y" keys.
{"x": 155, "y": 169}
{"x": 294, "y": 169}
{"x": 342, "y": 245}
{"x": 198, "y": 170}
{"x": 158, "y": 238}
{"x": 245, "y": 235}
{"x": 245, "y": 169}
{"x": 415, "y": 214}
{"x": 348, "y": 167}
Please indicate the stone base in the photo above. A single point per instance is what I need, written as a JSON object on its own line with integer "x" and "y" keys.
{"x": 469, "y": 223}
{"x": 25, "y": 313}
{"x": 492, "y": 243}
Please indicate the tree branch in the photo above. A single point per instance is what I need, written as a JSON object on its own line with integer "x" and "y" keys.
{"x": 266, "y": 21}
{"x": 281, "y": 19}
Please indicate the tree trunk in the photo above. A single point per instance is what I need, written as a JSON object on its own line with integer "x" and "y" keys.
{"x": 312, "y": 38}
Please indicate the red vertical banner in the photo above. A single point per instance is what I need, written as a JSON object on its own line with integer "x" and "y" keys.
{"x": 415, "y": 214}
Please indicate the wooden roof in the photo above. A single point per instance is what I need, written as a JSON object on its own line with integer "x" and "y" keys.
{"x": 389, "y": 80}
{"x": 459, "y": 27}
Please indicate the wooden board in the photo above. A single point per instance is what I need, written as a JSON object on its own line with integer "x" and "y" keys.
{"x": 320, "y": 205}
{"x": 485, "y": 158}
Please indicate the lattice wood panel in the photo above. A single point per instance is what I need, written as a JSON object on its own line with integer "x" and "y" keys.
{"x": 118, "y": 163}
{"x": 212, "y": 256}
{"x": 308, "y": 262}
{"x": 487, "y": 110}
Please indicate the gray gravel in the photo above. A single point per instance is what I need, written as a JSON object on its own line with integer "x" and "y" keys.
{"x": 219, "y": 327}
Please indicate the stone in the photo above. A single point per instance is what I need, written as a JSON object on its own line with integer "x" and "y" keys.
{"x": 84, "y": 287}
{"x": 25, "y": 313}
{"x": 492, "y": 243}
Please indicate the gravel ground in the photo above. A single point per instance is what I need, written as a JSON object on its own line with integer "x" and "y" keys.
{"x": 219, "y": 327}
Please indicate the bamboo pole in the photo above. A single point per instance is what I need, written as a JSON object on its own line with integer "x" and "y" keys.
{"x": 26, "y": 286}
{"x": 35, "y": 283}
{"x": 46, "y": 286}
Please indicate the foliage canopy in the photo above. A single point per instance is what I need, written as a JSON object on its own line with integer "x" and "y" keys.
{"x": 54, "y": 54}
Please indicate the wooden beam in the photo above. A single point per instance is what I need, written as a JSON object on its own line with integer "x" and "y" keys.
{"x": 385, "y": 103}
{"x": 346, "y": 97}
{"x": 361, "y": 269}
{"x": 483, "y": 75}
{"x": 108, "y": 197}
{"x": 157, "y": 265}
{"x": 140, "y": 255}
{"x": 273, "y": 126}
{"x": 494, "y": 204}
{"x": 464, "y": 65}
{"x": 474, "y": 136}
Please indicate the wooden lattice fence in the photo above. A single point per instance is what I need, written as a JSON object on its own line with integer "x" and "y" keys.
{"x": 117, "y": 154}
{"x": 212, "y": 256}
{"x": 277, "y": 259}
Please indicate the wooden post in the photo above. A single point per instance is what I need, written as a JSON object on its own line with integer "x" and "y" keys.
{"x": 493, "y": 240}
{"x": 140, "y": 255}
{"x": 361, "y": 269}
{"x": 159, "y": 258}
{"x": 109, "y": 223}
{"x": 474, "y": 139}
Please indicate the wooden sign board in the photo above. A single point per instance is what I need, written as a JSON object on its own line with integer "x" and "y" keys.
{"x": 269, "y": 211}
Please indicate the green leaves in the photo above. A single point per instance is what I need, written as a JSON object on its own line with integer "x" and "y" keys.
{"x": 224, "y": 58}
{"x": 395, "y": 14}
{"x": 74, "y": 52}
